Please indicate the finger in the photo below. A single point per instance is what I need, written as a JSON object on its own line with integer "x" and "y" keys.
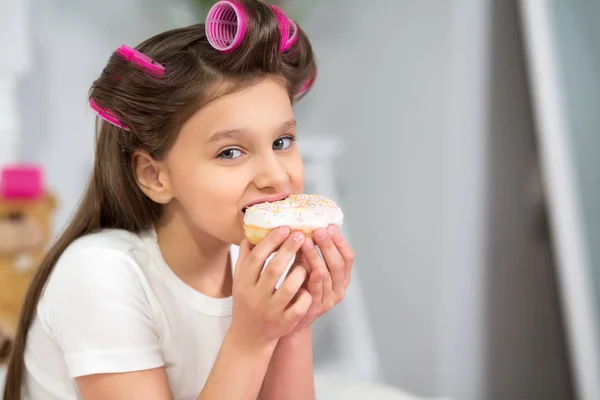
{"x": 301, "y": 262}
{"x": 311, "y": 255}
{"x": 300, "y": 259}
{"x": 333, "y": 259}
{"x": 254, "y": 260}
{"x": 299, "y": 307}
{"x": 245, "y": 249}
{"x": 316, "y": 262}
{"x": 276, "y": 267}
{"x": 289, "y": 288}
{"x": 315, "y": 285}
{"x": 345, "y": 250}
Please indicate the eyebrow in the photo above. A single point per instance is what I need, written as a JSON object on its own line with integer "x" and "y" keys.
{"x": 235, "y": 133}
{"x": 227, "y": 134}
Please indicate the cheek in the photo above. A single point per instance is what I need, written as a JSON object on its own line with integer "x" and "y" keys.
{"x": 295, "y": 170}
{"x": 214, "y": 190}
{"x": 211, "y": 202}
{"x": 216, "y": 209}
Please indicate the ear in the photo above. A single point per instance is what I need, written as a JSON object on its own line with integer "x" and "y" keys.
{"x": 152, "y": 177}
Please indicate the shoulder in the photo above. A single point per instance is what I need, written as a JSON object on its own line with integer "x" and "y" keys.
{"x": 111, "y": 245}
{"x": 106, "y": 240}
{"x": 98, "y": 276}
{"x": 96, "y": 306}
{"x": 102, "y": 262}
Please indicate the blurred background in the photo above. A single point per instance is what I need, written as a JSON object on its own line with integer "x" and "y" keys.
{"x": 461, "y": 138}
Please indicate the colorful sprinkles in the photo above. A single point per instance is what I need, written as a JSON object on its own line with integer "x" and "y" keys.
{"x": 297, "y": 209}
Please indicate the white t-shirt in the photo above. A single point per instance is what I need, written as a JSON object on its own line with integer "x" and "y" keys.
{"x": 112, "y": 305}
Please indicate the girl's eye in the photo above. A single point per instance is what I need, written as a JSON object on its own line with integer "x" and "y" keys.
{"x": 282, "y": 143}
{"x": 230, "y": 154}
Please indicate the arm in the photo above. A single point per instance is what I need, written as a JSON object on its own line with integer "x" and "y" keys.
{"x": 236, "y": 374}
{"x": 238, "y": 371}
{"x": 98, "y": 313}
{"x": 260, "y": 317}
{"x": 290, "y": 373}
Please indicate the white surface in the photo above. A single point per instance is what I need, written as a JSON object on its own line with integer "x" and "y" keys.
{"x": 573, "y": 265}
{"x": 329, "y": 387}
{"x": 332, "y": 388}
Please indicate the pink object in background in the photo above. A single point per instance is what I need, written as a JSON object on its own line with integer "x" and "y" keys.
{"x": 21, "y": 182}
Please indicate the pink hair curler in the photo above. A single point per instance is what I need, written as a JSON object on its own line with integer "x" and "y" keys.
{"x": 134, "y": 56}
{"x": 287, "y": 27}
{"x": 107, "y": 115}
{"x": 307, "y": 85}
{"x": 21, "y": 182}
{"x": 293, "y": 37}
{"x": 225, "y": 26}
{"x": 284, "y": 26}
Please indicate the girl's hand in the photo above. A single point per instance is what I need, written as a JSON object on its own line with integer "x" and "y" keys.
{"x": 329, "y": 275}
{"x": 261, "y": 314}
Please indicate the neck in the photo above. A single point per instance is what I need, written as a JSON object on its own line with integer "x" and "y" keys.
{"x": 198, "y": 259}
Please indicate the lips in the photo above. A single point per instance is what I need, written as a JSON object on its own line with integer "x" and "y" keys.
{"x": 270, "y": 199}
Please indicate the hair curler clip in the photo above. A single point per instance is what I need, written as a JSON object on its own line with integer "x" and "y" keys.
{"x": 107, "y": 115}
{"x": 293, "y": 35}
{"x": 134, "y": 56}
{"x": 226, "y": 25}
{"x": 287, "y": 27}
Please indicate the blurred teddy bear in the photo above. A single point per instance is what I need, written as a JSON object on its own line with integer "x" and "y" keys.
{"x": 25, "y": 229}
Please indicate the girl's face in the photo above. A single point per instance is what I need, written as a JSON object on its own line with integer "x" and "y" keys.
{"x": 238, "y": 150}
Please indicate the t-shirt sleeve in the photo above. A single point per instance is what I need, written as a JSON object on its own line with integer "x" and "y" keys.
{"x": 97, "y": 311}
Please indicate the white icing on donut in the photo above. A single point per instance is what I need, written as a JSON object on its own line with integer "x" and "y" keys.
{"x": 297, "y": 211}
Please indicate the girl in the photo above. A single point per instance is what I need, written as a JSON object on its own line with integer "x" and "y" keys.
{"x": 137, "y": 299}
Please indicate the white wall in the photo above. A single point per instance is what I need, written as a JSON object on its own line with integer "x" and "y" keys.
{"x": 431, "y": 98}
{"x": 71, "y": 43}
{"x": 15, "y": 60}
{"x": 381, "y": 87}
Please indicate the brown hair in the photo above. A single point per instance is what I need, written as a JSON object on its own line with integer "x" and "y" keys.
{"x": 154, "y": 109}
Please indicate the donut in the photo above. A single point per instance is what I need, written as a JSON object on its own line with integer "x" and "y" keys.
{"x": 299, "y": 212}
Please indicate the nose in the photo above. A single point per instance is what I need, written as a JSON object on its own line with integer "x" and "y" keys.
{"x": 271, "y": 173}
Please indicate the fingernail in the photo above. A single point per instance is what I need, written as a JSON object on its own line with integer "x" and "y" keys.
{"x": 308, "y": 244}
{"x": 283, "y": 231}
{"x": 320, "y": 234}
{"x": 298, "y": 237}
{"x": 331, "y": 229}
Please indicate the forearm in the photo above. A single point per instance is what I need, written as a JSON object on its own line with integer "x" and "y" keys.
{"x": 290, "y": 373}
{"x": 238, "y": 371}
